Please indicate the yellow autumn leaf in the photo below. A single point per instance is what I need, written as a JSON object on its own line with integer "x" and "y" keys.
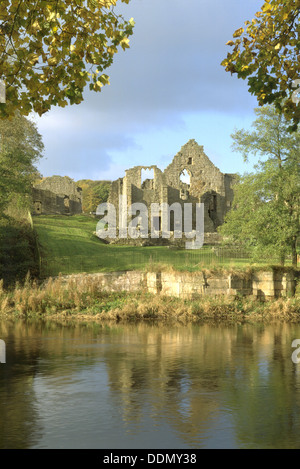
{"x": 266, "y": 8}
{"x": 124, "y": 43}
{"x": 35, "y": 26}
{"x": 238, "y": 32}
{"x": 51, "y": 16}
{"x": 52, "y": 61}
{"x": 34, "y": 58}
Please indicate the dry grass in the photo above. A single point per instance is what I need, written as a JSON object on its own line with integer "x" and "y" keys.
{"x": 83, "y": 298}
{"x": 53, "y": 296}
{"x": 244, "y": 273}
{"x": 217, "y": 309}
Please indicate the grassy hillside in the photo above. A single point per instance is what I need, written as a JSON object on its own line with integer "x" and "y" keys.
{"x": 68, "y": 245}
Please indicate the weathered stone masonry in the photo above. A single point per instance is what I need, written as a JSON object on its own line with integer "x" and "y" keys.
{"x": 56, "y": 195}
{"x": 207, "y": 184}
{"x": 258, "y": 284}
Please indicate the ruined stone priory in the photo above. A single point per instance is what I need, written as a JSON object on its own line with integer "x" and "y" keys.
{"x": 190, "y": 178}
{"x": 56, "y": 195}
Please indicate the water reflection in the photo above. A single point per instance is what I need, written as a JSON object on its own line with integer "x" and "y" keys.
{"x": 143, "y": 386}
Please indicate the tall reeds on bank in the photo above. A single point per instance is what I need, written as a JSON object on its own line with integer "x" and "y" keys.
{"x": 54, "y": 295}
{"x": 83, "y": 298}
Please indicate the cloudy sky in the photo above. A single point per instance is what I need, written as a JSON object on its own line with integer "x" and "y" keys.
{"x": 169, "y": 87}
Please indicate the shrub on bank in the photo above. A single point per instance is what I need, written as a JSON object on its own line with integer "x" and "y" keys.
{"x": 18, "y": 251}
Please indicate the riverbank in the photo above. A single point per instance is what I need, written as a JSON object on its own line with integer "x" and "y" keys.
{"x": 66, "y": 298}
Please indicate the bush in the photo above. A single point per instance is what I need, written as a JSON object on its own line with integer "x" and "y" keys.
{"x": 18, "y": 252}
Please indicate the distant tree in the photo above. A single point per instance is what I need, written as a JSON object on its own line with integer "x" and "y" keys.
{"x": 93, "y": 193}
{"x": 266, "y": 206}
{"x": 50, "y": 50}
{"x": 21, "y": 147}
{"x": 267, "y": 53}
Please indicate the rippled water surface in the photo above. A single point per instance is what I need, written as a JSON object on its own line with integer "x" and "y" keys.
{"x": 150, "y": 387}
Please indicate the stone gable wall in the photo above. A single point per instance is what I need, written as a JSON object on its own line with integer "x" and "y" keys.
{"x": 207, "y": 185}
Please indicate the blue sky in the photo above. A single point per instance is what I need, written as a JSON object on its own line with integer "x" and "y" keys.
{"x": 169, "y": 87}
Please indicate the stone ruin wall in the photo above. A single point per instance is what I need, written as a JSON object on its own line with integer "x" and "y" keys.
{"x": 207, "y": 185}
{"x": 56, "y": 195}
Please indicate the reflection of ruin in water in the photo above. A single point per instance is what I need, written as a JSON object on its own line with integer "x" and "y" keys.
{"x": 184, "y": 377}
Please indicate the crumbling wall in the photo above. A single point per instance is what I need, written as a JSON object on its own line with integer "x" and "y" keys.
{"x": 56, "y": 195}
{"x": 207, "y": 185}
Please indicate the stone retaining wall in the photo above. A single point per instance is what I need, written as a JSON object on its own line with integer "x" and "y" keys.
{"x": 260, "y": 284}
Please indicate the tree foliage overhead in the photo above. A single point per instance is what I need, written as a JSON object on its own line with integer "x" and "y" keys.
{"x": 50, "y": 50}
{"x": 266, "y": 52}
{"x": 266, "y": 206}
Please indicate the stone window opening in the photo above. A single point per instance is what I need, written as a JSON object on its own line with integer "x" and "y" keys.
{"x": 212, "y": 207}
{"x": 185, "y": 177}
{"x": 157, "y": 223}
{"x": 190, "y": 160}
{"x": 147, "y": 178}
{"x": 184, "y": 194}
{"x": 185, "y": 181}
{"x": 38, "y": 206}
{"x": 67, "y": 201}
{"x": 67, "y": 204}
{"x": 213, "y": 203}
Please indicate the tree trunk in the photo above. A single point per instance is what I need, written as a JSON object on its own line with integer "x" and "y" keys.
{"x": 294, "y": 252}
{"x": 282, "y": 259}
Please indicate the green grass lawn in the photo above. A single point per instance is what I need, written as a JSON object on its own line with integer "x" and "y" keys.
{"x": 68, "y": 245}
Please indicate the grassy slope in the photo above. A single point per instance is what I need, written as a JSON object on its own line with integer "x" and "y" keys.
{"x": 68, "y": 245}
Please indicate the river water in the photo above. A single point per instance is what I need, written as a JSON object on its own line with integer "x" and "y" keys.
{"x": 87, "y": 385}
